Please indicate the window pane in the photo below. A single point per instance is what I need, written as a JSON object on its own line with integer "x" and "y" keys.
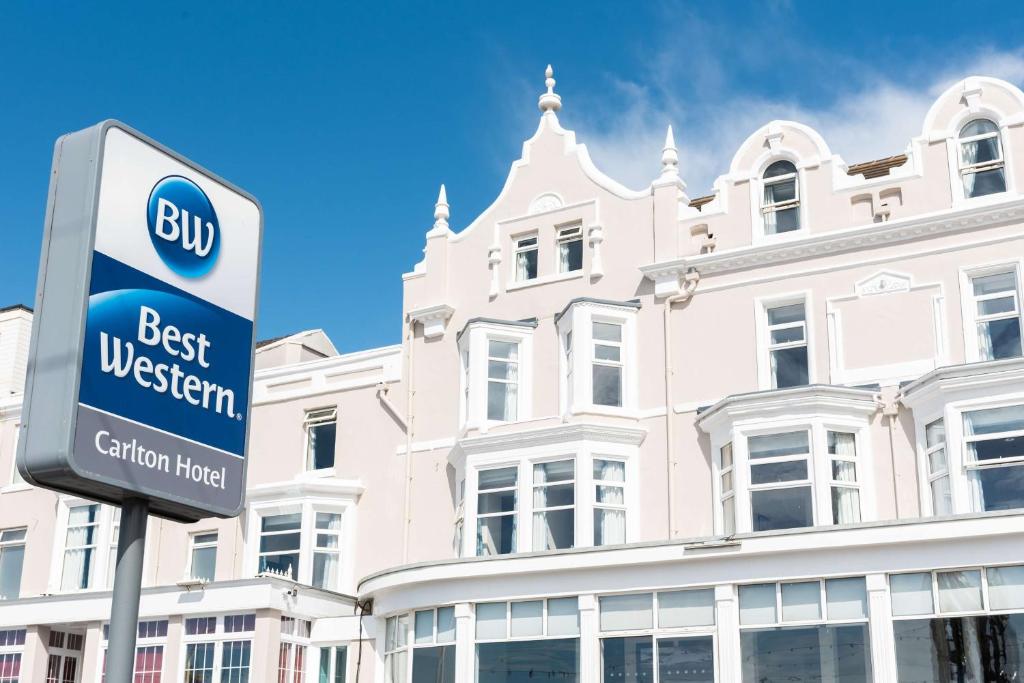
{"x": 570, "y": 256}
{"x": 981, "y": 648}
{"x": 686, "y": 660}
{"x": 554, "y": 529}
{"x": 781, "y": 508}
{"x": 561, "y": 470}
{"x": 490, "y": 620}
{"x": 942, "y": 498}
{"x": 553, "y": 495}
{"x": 424, "y": 626}
{"x": 607, "y": 332}
{"x": 204, "y": 563}
{"x": 605, "y": 352}
{"x": 627, "y": 612}
{"x": 446, "y": 624}
{"x": 1000, "y": 488}
{"x": 627, "y": 659}
{"x": 609, "y": 526}
{"x": 563, "y": 617}
{"x": 686, "y": 608}
{"x": 807, "y": 653}
{"x": 321, "y": 445}
{"x": 11, "y": 560}
{"x": 788, "y": 335}
{"x": 845, "y": 505}
{"x": 935, "y": 433}
{"x": 281, "y": 522}
{"x": 757, "y": 604}
{"x": 985, "y": 182}
{"x": 609, "y": 470}
{"x": 287, "y": 564}
{"x": 995, "y": 283}
{"x": 433, "y": 665}
{"x": 773, "y": 472}
{"x": 978, "y": 127}
{"x": 785, "y": 220}
{"x": 496, "y": 535}
{"x": 994, "y": 420}
{"x": 499, "y": 501}
{"x": 502, "y": 401}
{"x": 1003, "y": 304}
{"x": 270, "y": 543}
{"x": 775, "y": 445}
{"x": 780, "y": 315}
{"x": 1006, "y": 587}
{"x": 607, "y": 385}
{"x": 937, "y": 461}
{"x": 801, "y": 601}
{"x": 1000, "y": 338}
{"x": 790, "y": 367}
{"x": 527, "y": 661}
{"x": 959, "y": 591}
{"x": 777, "y": 168}
{"x": 527, "y": 618}
{"x": 911, "y": 594}
{"x": 497, "y": 479}
{"x": 526, "y": 264}
{"x": 846, "y": 598}
{"x": 778, "y": 192}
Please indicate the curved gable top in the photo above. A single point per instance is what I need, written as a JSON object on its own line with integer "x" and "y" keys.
{"x": 779, "y": 139}
{"x": 550, "y": 131}
{"x": 973, "y": 97}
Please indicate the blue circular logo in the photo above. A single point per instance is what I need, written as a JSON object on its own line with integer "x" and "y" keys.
{"x": 183, "y": 226}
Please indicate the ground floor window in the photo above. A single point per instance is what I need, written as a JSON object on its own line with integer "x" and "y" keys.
{"x": 11, "y": 643}
{"x": 979, "y": 648}
{"x": 780, "y": 641}
{"x": 676, "y": 659}
{"x": 64, "y": 658}
{"x": 433, "y": 649}
{"x": 333, "y": 661}
{"x": 528, "y": 661}
{"x": 291, "y": 662}
{"x": 215, "y": 651}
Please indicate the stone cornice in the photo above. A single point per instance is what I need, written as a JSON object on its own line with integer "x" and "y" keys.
{"x": 814, "y": 397}
{"x": 968, "y": 376}
{"x": 984, "y": 214}
{"x": 544, "y": 436}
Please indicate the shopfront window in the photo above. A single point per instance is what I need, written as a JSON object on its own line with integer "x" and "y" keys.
{"x": 528, "y": 641}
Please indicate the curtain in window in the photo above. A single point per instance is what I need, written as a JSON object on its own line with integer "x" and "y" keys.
{"x": 968, "y": 157}
{"x": 846, "y": 500}
{"x": 523, "y": 266}
{"x": 612, "y": 523}
{"x": 76, "y": 562}
{"x": 984, "y": 329}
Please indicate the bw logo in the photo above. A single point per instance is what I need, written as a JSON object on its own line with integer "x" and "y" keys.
{"x": 183, "y": 226}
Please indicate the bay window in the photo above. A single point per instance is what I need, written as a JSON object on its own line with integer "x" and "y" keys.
{"x": 280, "y": 543}
{"x": 496, "y": 358}
{"x": 609, "y": 502}
{"x": 780, "y": 481}
{"x": 805, "y": 631}
{"x": 994, "y": 456}
{"x": 326, "y": 550}
{"x": 554, "y": 499}
{"x": 960, "y": 625}
{"x": 523, "y": 641}
{"x": 980, "y": 157}
{"x": 996, "y": 309}
{"x": 661, "y": 637}
{"x": 600, "y": 337}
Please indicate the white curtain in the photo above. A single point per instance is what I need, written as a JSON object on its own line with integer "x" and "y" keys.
{"x": 969, "y": 156}
{"x": 846, "y": 500}
{"x": 76, "y": 563}
{"x": 984, "y": 334}
{"x": 523, "y": 266}
{"x": 542, "y": 537}
{"x": 612, "y": 526}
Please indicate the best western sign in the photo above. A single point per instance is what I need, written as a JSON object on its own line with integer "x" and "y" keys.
{"x": 140, "y": 372}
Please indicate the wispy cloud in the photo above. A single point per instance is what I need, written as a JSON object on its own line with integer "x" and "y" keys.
{"x": 869, "y": 115}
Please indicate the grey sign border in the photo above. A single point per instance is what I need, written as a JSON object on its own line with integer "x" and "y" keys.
{"x": 50, "y": 409}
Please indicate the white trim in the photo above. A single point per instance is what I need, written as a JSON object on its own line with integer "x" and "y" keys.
{"x": 323, "y": 376}
{"x": 765, "y": 381}
{"x": 968, "y": 305}
{"x": 474, "y": 341}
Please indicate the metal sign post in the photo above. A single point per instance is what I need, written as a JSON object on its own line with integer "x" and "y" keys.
{"x": 139, "y": 384}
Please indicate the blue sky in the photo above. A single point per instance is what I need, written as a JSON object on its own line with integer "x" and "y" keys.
{"x": 344, "y": 119}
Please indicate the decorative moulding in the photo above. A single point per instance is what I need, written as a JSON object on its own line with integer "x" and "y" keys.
{"x": 545, "y": 436}
{"x": 840, "y": 241}
{"x": 883, "y": 283}
{"x": 545, "y": 202}
{"x": 433, "y": 318}
{"x": 813, "y": 398}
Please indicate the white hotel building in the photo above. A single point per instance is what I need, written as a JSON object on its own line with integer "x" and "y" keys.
{"x": 775, "y": 433}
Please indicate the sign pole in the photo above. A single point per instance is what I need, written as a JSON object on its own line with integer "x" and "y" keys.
{"x": 124, "y": 608}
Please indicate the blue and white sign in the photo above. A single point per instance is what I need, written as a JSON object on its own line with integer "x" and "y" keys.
{"x": 165, "y": 347}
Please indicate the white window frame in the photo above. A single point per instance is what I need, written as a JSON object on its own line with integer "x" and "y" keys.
{"x": 823, "y": 618}
{"x": 60, "y": 647}
{"x": 545, "y": 627}
{"x": 15, "y": 652}
{"x": 657, "y": 631}
{"x": 140, "y": 642}
{"x": 937, "y": 613}
{"x": 725, "y": 497}
{"x": 775, "y": 207}
{"x": 16, "y": 483}
{"x": 808, "y": 482}
{"x": 105, "y": 540}
{"x": 970, "y": 465}
{"x": 584, "y": 453}
{"x": 952, "y": 134}
{"x": 332, "y": 648}
{"x": 520, "y": 246}
{"x": 314, "y": 417}
{"x": 307, "y": 507}
{"x": 575, "y": 328}
{"x": 624, "y": 485}
{"x": 930, "y": 477}
{"x": 298, "y": 642}
{"x": 218, "y": 639}
{"x": 474, "y": 346}
{"x": 765, "y": 365}
{"x": 819, "y": 464}
{"x": 968, "y": 302}
{"x": 970, "y": 169}
{"x": 390, "y": 650}
{"x": 5, "y": 544}
{"x": 564, "y": 235}
{"x": 193, "y": 545}
{"x": 535, "y": 509}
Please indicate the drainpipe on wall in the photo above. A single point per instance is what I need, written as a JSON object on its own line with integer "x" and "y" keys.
{"x": 690, "y": 281}
{"x": 407, "y": 516}
{"x": 890, "y": 410}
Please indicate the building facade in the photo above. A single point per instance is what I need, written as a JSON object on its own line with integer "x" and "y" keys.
{"x": 770, "y": 434}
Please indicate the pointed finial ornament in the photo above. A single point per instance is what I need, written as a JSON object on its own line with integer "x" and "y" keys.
{"x": 441, "y": 210}
{"x": 669, "y": 156}
{"x": 549, "y": 101}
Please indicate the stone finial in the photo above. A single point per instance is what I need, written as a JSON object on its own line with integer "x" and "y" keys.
{"x": 441, "y": 210}
{"x": 669, "y": 156}
{"x": 549, "y": 101}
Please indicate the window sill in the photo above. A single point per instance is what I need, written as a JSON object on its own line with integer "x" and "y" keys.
{"x": 547, "y": 279}
{"x": 607, "y": 411}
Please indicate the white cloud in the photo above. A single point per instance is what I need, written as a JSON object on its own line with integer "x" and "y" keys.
{"x": 624, "y": 124}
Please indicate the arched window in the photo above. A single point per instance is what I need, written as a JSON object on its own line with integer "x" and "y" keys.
{"x": 781, "y": 203}
{"x": 981, "y": 159}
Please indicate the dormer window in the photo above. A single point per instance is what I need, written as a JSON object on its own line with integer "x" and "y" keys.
{"x": 526, "y": 258}
{"x": 780, "y": 204}
{"x": 570, "y": 249}
{"x": 496, "y": 359}
{"x": 981, "y": 159}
